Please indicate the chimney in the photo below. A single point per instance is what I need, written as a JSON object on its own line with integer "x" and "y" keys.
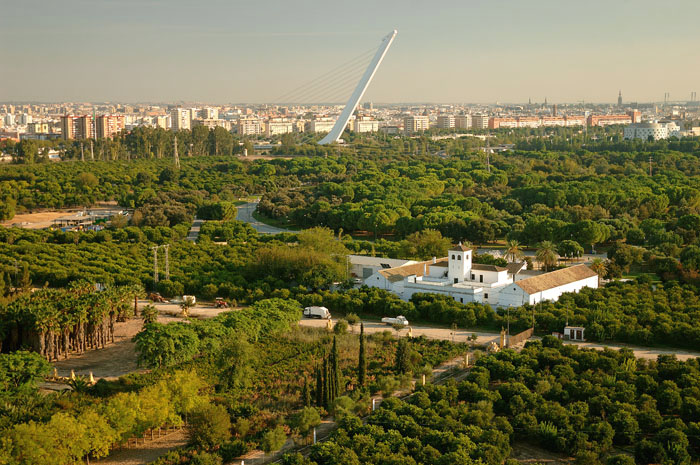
{"x": 434, "y": 260}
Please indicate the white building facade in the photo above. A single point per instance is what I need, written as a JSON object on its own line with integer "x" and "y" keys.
{"x": 456, "y": 276}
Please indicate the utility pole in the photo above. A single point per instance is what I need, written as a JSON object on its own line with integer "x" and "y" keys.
{"x": 82, "y": 152}
{"x": 649, "y": 165}
{"x": 167, "y": 261}
{"x": 155, "y": 264}
{"x": 488, "y": 152}
{"x": 92, "y": 152}
{"x": 177, "y": 158}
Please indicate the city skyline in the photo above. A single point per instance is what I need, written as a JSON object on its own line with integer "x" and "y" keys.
{"x": 473, "y": 52}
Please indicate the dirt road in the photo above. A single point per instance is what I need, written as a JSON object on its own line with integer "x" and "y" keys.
{"x": 484, "y": 338}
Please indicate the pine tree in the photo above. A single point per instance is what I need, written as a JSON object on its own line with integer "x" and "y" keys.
{"x": 403, "y": 362}
{"x": 362, "y": 368}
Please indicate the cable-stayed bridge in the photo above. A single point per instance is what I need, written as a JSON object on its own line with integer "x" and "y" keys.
{"x": 338, "y": 82}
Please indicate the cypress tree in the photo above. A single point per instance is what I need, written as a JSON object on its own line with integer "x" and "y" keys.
{"x": 362, "y": 368}
{"x": 8, "y": 283}
{"x": 403, "y": 357}
{"x": 319, "y": 387}
{"x": 2, "y": 285}
{"x": 326, "y": 387}
{"x": 336, "y": 369}
{"x": 306, "y": 395}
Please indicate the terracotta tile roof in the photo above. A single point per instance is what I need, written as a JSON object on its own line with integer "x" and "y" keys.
{"x": 555, "y": 279}
{"x": 514, "y": 267}
{"x": 461, "y": 248}
{"x": 400, "y": 272}
{"x": 480, "y": 267}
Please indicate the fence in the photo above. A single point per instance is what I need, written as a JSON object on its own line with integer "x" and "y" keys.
{"x": 520, "y": 337}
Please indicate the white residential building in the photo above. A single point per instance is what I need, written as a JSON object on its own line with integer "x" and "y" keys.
{"x": 180, "y": 118}
{"x": 365, "y": 124}
{"x": 446, "y": 121}
{"x": 249, "y": 126}
{"x": 457, "y": 277}
{"x": 654, "y": 130}
{"x": 278, "y": 126}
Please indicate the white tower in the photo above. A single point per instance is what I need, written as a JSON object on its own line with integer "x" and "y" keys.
{"x": 459, "y": 263}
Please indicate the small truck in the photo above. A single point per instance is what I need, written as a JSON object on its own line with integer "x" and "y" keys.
{"x": 317, "y": 312}
{"x": 399, "y": 320}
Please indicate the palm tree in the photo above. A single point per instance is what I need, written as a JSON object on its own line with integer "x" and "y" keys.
{"x": 513, "y": 249}
{"x": 599, "y": 266}
{"x": 546, "y": 254}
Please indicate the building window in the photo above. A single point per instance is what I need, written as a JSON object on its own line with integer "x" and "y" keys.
{"x": 456, "y": 280}
{"x": 461, "y": 300}
{"x": 481, "y": 278}
{"x": 459, "y": 257}
{"x": 472, "y": 277}
{"x": 486, "y": 296}
{"x": 453, "y": 257}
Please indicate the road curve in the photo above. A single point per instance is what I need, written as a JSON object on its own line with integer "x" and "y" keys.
{"x": 245, "y": 214}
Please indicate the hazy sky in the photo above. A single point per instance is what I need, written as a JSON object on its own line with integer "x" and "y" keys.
{"x": 223, "y": 51}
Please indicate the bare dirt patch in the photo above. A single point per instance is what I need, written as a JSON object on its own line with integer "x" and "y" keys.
{"x": 116, "y": 359}
{"x": 147, "y": 452}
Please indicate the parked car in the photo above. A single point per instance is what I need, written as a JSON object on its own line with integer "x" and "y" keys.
{"x": 317, "y": 312}
{"x": 399, "y": 320}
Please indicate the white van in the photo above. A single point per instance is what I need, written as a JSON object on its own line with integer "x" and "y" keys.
{"x": 317, "y": 312}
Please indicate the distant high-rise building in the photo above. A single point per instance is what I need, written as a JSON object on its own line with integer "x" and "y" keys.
{"x": 249, "y": 126}
{"x": 9, "y": 120}
{"x": 180, "y": 118}
{"x": 209, "y": 113}
{"x": 107, "y": 126}
{"x": 38, "y": 128}
{"x": 480, "y": 121}
{"x": 619, "y": 98}
{"x": 160, "y": 122}
{"x": 24, "y": 119}
{"x": 636, "y": 115}
{"x": 76, "y": 127}
{"x": 413, "y": 124}
{"x": 463, "y": 121}
{"x": 554, "y": 110}
{"x": 446, "y": 121}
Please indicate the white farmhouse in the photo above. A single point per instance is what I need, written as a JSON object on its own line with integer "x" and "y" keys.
{"x": 457, "y": 277}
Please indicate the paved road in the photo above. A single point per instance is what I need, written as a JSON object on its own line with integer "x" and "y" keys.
{"x": 460, "y": 335}
{"x": 245, "y": 213}
{"x": 193, "y": 234}
{"x": 484, "y": 338}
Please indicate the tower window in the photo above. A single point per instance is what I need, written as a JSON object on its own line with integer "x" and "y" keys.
{"x": 459, "y": 257}
{"x": 481, "y": 278}
{"x": 453, "y": 257}
{"x": 486, "y": 296}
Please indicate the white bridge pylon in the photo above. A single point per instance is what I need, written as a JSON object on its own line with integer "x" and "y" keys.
{"x": 359, "y": 91}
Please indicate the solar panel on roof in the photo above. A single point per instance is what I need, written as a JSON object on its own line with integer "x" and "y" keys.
{"x": 385, "y": 265}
